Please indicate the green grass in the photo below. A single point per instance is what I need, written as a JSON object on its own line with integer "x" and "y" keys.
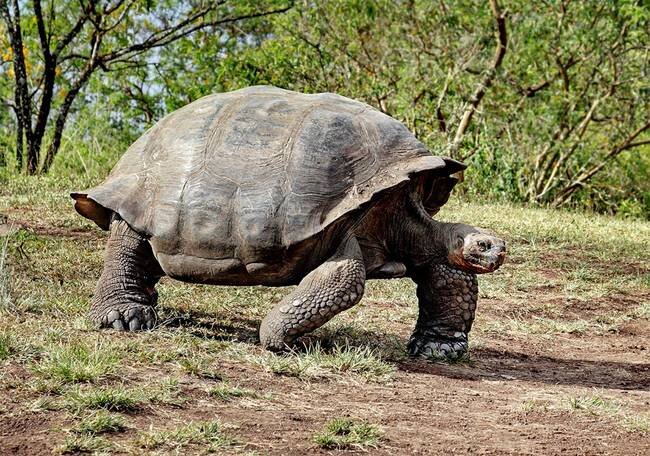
{"x": 611, "y": 409}
{"x": 561, "y": 265}
{"x": 530, "y": 405}
{"x": 637, "y": 423}
{"x": 6, "y": 346}
{"x": 198, "y": 367}
{"x": 317, "y": 362}
{"x": 101, "y": 422}
{"x": 119, "y": 398}
{"x": 81, "y": 444}
{"x": 208, "y": 434}
{"x": 116, "y": 399}
{"x": 77, "y": 361}
{"x": 345, "y": 433}
{"x": 594, "y": 404}
{"x": 5, "y": 274}
{"x": 225, "y": 392}
{"x": 643, "y": 310}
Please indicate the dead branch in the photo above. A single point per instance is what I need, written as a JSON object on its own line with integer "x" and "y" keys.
{"x": 486, "y": 82}
{"x": 579, "y": 181}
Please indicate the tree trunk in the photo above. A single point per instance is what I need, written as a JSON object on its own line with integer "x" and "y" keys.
{"x": 49, "y": 74}
{"x": 62, "y": 117}
{"x": 21, "y": 92}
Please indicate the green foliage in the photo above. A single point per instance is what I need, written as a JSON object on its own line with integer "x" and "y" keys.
{"x": 556, "y": 126}
{"x": 536, "y": 137}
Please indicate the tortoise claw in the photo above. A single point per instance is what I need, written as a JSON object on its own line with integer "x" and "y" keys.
{"x": 437, "y": 349}
{"x": 129, "y": 317}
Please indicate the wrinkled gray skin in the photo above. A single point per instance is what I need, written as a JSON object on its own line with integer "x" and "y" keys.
{"x": 266, "y": 186}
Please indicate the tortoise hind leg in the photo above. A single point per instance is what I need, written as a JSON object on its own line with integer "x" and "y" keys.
{"x": 333, "y": 287}
{"x": 125, "y": 295}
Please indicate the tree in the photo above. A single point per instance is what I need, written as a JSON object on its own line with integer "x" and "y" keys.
{"x": 567, "y": 112}
{"x": 58, "y": 47}
{"x": 586, "y": 101}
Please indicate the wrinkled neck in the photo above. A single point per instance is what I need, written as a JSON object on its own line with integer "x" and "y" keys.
{"x": 417, "y": 238}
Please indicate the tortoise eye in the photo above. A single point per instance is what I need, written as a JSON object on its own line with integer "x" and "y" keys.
{"x": 483, "y": 245}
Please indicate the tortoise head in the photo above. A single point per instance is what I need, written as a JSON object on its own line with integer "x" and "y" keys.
{"x": 474, "y": 249}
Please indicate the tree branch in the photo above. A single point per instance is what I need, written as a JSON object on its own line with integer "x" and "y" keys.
{"x": 62, "y": 116}
{"x": 72, "y": 34}
{"x": 486, "y": 82}
{"x": 193, "y": 22}
{"x": 178, "y": 31}
{"x": 585, "y": 176}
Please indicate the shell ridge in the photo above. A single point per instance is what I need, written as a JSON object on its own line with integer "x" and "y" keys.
{"x": 211, "y": 141}
{"x": 286, "y": 186}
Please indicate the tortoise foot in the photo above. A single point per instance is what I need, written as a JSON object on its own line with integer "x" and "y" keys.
{"x": 435, "y": 347}
{"x": 126, "y": 317}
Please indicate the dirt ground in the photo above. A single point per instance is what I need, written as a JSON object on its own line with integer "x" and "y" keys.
{"x": 427, "y": 408}
{"x": 523, "y": 391}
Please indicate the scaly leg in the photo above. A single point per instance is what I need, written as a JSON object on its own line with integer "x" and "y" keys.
{"x": 333, "y": 287}
{"x": 447, "y": 299}
{"x": 125, "y": 295}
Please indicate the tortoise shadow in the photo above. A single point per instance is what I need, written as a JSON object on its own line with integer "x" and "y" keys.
{"x": 210, "y": 326}
{"x": 499, "y": 365}
{"x": 484, "y": 364}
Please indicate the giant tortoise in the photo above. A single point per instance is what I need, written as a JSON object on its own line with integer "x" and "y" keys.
{"x": 265, "y": 186}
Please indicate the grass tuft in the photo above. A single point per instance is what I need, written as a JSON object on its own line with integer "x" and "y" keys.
{"x": 225, "y": 392}
{"x": 76, "y": 444}
{"x": 198, "y": 367}
{"x": 43, "y": 404}
{"x": 345, "y": 433}
{"x": 636, "y": 423}
{"x": 101, "y": 422}
{"x": 204, "y": 433}
{"x": 530, "y": 405}
{"x": 5, "y": 293}
{"x": 317, "y": 362}
{"x": 111, "y": 399}
{"x": 594, "y": 404}
{"x": 77, "y": 362}
{"x": 6, "y": 346}
{"x": 643, "y": 311}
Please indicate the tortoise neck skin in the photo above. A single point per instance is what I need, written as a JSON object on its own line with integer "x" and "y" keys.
{"x": 416, "y": 239}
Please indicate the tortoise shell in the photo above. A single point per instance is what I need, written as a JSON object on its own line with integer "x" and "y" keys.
{"x": 241, "y": 174}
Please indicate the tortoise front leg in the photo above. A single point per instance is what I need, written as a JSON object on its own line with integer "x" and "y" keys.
{"x": 333, "y": 287}
{"x": 125, "y": 295}
{"x": 447, "y": 299}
